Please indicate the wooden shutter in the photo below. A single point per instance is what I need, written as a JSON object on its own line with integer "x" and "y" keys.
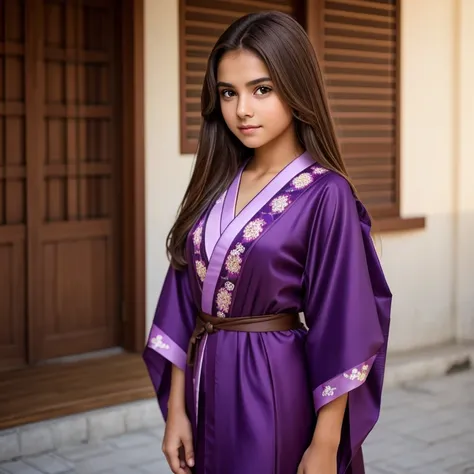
{"x": 201, "y": 24}
{"x": 357, "y": 47}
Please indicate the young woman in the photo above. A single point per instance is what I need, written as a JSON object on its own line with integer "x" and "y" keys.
{"x": 270, "y": 227}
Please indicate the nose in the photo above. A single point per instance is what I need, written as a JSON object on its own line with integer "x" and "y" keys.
{"x": 244, "y": 107}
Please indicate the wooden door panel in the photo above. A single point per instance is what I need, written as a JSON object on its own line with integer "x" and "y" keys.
{"x": 79, "y": 271}
{"x": 78, "y": 291}
{"x": 77, "y": 296}
{"x": 12, "y": 299}
{"x": 12, "y": 184}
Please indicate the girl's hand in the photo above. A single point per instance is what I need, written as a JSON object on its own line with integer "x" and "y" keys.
{"x": 178, "y": 438}
{"x": 319, "y": 459}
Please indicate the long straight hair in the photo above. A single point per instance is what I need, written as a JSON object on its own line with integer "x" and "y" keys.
{"x": 283, "y": 45}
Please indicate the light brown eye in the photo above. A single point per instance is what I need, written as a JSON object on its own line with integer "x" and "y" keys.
{"x": 262, "y": 90}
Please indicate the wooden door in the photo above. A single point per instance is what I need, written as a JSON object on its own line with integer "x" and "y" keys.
{"x": 13, "y": 215}
{"x": 60, "y": 168}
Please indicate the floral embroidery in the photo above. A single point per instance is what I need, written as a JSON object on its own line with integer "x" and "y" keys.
{"x": 358, "y": 375}
{"x": 240, "y": 248}
{"x": 303, "y": 180}
{"x": 199, "y": 264}
{"x": 268, "y": 214}
{"x": 233, "y": 266}
{"x": 201, "y": 269}
{"x": 233, "y": 263}
{"x": 318, "y": 170}
{"x": 157, "y": 343}
{"x": 253, "y": 229}
{"x": 197, "y": 235}
{"x": 224, "y": 300}
{"x": 329, "y": 391}
{"x": 280, "y": 203}
{"x": 345, "y": 382}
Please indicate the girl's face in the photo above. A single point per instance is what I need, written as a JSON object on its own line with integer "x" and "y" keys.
{"x": 251, "y": 107}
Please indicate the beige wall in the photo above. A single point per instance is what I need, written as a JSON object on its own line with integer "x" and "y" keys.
{"x": 167, "y": 172}
{"x": 464, "y": 152}
{"x": 421, "y": 266}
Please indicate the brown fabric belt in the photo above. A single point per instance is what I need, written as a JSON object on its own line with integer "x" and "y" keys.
{"x": 266, "y": 323}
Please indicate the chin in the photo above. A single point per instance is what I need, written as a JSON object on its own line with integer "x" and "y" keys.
{"x": 253, "y": 142}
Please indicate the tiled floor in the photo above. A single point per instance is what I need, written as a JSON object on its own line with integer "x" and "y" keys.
{"x": 425, "y": 428}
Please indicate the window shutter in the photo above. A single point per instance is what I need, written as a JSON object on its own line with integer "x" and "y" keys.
{"x": 201, "y": 24}
{"x": 357, "y": 48}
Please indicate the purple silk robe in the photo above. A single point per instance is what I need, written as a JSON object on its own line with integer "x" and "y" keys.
{"x": 301, "y": 245}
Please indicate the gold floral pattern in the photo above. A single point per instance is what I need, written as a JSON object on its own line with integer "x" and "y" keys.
{"x": 197, "y": 235}
{"x": 201, "y": 269}
{"x": 199, "y": 264}
{"x": 240, "y": 248}
{"x": 328, "y": 391}
{"x": 224, "y": 300}
{"x": 357, "y": 374}
{"x": 303, "y": 180}
{"x": 253, "y": 229}
{"x": 280, "y": 203}
{"x": 233, "y": 263}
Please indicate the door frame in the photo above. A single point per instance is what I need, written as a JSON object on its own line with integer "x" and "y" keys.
{"x": 133, "y": 177}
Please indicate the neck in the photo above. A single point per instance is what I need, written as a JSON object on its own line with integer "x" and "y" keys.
{"x": 274, "y": 156}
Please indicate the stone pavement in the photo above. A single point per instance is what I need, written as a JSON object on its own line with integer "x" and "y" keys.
{"x": 425, "y": 428}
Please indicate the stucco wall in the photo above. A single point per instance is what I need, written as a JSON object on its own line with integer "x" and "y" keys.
{"x": 464, "y": 169}
{"x": 167, "y": 172}
{"x": 422, "y": 267}
{"x": 419, "y": 265}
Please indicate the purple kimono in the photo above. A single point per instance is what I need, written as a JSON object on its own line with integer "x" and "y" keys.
{"x": 301, "y": 245}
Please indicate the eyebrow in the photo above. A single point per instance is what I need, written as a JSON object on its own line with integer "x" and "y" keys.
{"x": 250, "y": 83}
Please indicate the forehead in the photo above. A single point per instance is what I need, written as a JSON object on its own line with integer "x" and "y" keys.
{"x": 241, "y": 66}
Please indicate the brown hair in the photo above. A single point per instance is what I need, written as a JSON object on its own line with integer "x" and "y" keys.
{"x": 283, "y": 45}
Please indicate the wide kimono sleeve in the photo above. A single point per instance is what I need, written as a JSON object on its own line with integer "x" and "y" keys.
{"x": 347, "y": 310}
{"x": 173, "y": 324}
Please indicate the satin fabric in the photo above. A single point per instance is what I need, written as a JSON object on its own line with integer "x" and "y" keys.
{"x": 301, "y": 245}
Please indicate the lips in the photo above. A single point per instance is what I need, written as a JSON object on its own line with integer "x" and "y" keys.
{"x": 249, "y": 130}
